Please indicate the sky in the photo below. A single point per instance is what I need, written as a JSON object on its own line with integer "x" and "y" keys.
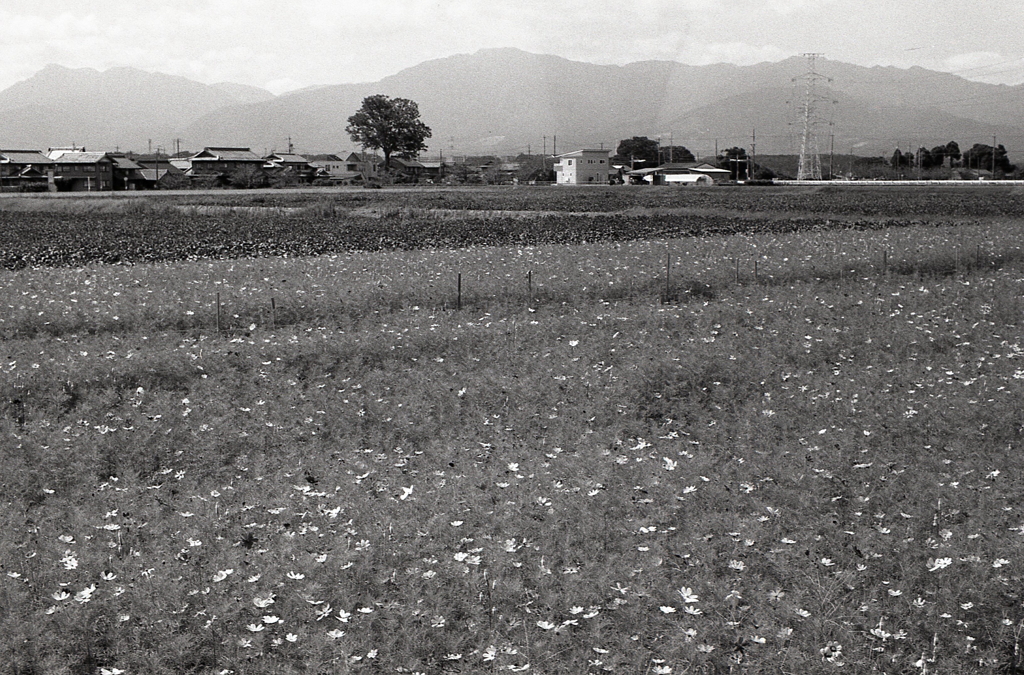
{"x": 283, "y": 45}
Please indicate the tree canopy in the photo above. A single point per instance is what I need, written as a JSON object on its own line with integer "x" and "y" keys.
{"x": 638, "y": 149}
{"x": 735, "y": 160}
{"x": 391, "y": 125}
{"x": 980, "y": 157}
{"x": 675, "y": 154}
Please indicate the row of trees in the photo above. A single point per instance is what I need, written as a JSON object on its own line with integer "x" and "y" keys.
{"x": 979, "y": 157}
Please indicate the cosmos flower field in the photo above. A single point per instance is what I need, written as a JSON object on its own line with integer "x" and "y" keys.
{"x": 643, "y": 456}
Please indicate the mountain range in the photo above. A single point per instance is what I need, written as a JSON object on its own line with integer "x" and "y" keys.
{"x": 506, "y": 101}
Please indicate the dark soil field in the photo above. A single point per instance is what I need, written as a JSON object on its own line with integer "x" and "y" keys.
{"x": 62, "y": 232}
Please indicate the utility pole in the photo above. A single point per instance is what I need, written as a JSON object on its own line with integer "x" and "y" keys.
{"x": 993, "y": 157}
{"x": 831, "y": 154}
{"x": 753, "y": 151}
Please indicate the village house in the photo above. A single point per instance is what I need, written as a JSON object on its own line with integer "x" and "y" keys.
{"x": 408, "y": 170}
{"x": 158, "y": 172}
{"x": 25, "y": 170}
{"x": 583, "y": 167}
{"x": 81, "y": 171}
{"x": 127, "y": 173}
{"x": 221, "y": 163}
{"x": 334, "y": 169}
{"x": 364, "y": 163}
{"x": 289, "y": 167}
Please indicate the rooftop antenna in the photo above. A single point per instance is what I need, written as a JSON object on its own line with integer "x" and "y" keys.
{"x": 810, "y": 159}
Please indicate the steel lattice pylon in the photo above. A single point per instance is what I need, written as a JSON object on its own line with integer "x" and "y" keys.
{"x": 810, "y": 156}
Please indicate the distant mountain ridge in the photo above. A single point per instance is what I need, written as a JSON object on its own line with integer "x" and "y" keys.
{"x": 507, "y": 101}
{"x": 121, "y": 107}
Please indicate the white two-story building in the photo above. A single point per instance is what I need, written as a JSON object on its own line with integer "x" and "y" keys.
{"x": 583, "y": 167}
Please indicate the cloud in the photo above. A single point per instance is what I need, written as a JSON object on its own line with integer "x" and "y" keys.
{"x": 298, "y": 43}
{"x": 971, "y": 61}
{"x": 740, "y": 53}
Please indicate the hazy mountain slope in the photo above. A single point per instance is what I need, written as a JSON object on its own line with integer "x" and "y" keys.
{"x": 507, "y": 101}
{"x": 862, "y": 125}
{"x": 120, "y": 107}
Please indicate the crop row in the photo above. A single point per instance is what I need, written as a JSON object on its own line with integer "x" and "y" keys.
{"x": 883, "y": 201}
{"x": 46, "y": 240}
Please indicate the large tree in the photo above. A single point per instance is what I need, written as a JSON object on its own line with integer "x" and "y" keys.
{"x": 638, "y": 149}
{"x": 980, "y": 156}
{"x": 736, "y": 161}
{"x": 391, "y": 125}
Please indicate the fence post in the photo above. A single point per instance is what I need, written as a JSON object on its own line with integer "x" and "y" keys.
{"x": 756, "y": 277}
{"x": 458, "y": 301}
{"x": 218, "y": 312}
{"x": 668, "y": 272}
{"x": 737, "y": 261}
{"x": 529, "y": 283}
{"x": 885, "y": 262}
{"x": 273, "y": 313}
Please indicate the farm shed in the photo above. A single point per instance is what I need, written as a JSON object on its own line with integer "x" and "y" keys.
{"x": 688, "y": 179}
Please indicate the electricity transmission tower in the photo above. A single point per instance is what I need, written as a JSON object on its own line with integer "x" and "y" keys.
{"x": 810, "y": 117}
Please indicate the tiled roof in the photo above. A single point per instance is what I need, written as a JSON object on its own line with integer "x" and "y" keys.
{"x": 287, "y": 158}
{"x": 227, "y": 155}
{"x": 124, "y": 163}
{"x": 74, "y": 157}
{"x": 24, "y": 157}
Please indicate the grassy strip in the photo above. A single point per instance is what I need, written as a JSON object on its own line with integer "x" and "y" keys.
{"x": 347, "y": 289}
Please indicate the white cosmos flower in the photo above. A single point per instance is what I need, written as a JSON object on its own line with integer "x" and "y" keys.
{"x": 263, "y": 602}
{"x": 687, "y": 595}
{"x": 85, "y": 595}
{"x": 222, "y": 575}
{"x": 255, "y": 628}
